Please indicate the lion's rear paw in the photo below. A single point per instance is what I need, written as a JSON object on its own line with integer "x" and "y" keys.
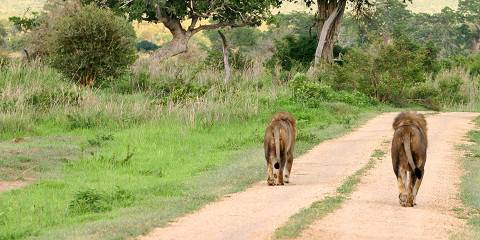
{"x": 270, "y": 182}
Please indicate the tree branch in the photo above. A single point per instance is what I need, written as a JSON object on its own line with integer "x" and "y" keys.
{"x": 193, "y": 24}
{"x": 218, "y": 25}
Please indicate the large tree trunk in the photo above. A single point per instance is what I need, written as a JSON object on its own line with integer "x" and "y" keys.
{"x": 226, "y": 64}
{"x": 179, "y": 42}
{"x": 330, "y": 13}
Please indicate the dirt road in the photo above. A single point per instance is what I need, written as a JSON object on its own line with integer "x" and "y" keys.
{"x": 373, "y": 210}
{"x": 258, "y": 211}
{"x": 5, "y": 186}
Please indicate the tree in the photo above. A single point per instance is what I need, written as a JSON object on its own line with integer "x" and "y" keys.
{"x": 469, "y": 11}
{"x": 175, "y": 14}
{"x": 228, "y": 71}
{"x": 329, "y": 16}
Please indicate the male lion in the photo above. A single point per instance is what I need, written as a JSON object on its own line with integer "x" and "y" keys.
{"x": 409, "y": 153}
{"x": 278, "y": 144}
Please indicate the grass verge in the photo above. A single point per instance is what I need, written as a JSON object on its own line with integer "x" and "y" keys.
{"x": 470, "y": 193}
{"x": 300, "y": 221}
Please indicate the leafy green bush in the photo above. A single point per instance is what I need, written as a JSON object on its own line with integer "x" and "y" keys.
{"x": 243, "y": 38}
{"x": 236, "y": 59}
{"x": 293, "y": 50}
{"x": 384, "y": 71}
{"x": 161, "y": 88}
{"x": 94, "y": 201}
{"x": 450, "y": 88}
{"x": 313, "y": 93}
{"x": 91, "y": 44}
{"x": 3, "y": 34}
{"x": 4, "y": 59}
{"x": 89, "y": 201}
{"x": 146, "y": 46}
{"x": 88, "y": 120}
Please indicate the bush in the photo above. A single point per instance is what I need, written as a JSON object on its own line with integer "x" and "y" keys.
{"x": 236, "y": 59}
{"x": 244, "y": 38}
{"x": 313, "y": 93}
{"x": 89, "y": 201}
{"x": 91, "y": 44}
{"x": 3, "y": 34}
{"x": 93, "y": 201}
{"x": 384, "y": 72}
{"x": 4, "y": 59}
{"x": 161, "y": 88}
{"x": 146, "y": 46}
{"x": 293, "y": 50}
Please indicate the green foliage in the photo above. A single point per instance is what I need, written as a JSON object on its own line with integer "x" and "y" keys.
{"x": 236, "y": 59}
{"x": 88, "y": 201}
{"x": 93, "y": 201}
{"x": 229, "y": 12}
{"x": 383, "y": 72}
{"x": 448, "y": 31}
{"x": 4, "y": 59}
{"x": 293, "y": 50}
{"x": 25, "y": 24}
{"x": 146, "y": 46}
{"x": 314, "y": 93}
{"x": 92, "y": 44}
{"x": 3, "y": 35}
{"x": 245, "y": 39}
{"x": 87, "y": 120}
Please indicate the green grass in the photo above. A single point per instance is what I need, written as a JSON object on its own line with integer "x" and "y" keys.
{"x": 470, "y": 193}
{"x": 301, "y": 220}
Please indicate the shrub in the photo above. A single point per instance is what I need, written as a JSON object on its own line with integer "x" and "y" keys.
{"x": 244, "y": 38}
{"x": 89, "y": 201}
{"x": 384, "y": 72}
{"x": 293, "y": 50}
{"x": 236, "y": 59}
{"x": 4, "y": 59}
{"x": 3, "y": 34}
{"x": 92, "y": 44}
{"x": 146, "y": 46}
{"x": 312, "y": 93}
{"x": 94, "y": 201}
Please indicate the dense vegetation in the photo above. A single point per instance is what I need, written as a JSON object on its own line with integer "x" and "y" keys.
{"x": 149, "y": 141}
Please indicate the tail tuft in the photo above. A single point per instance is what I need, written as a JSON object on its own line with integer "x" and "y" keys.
{"x": 418, "y": 173}
{"x": 276, "y": 165}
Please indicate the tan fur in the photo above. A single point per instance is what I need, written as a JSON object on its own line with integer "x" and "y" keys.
{"x": 409, "y": 153}
{"x": 279, "y": 143}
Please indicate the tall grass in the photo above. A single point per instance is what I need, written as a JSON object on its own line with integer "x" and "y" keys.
{"x": 459, "y": 90}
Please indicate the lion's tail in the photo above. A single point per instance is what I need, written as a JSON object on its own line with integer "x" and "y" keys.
{"x": 408, "y": 152}
{"x": 276, "y": 135}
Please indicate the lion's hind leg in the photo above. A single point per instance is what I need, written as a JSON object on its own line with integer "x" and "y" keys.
{"x": 270, "y": 178}
{"x": 401, "y": 180}
{"x": 288, "y": 167}
{"x": 416, "y": 186}
{"x": 409, "y": 187}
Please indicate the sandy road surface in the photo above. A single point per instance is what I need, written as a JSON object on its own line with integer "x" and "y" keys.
{"x": 5, "y": 186}
{"x": 373, "y": 212}
{"x": 258, "y": 211}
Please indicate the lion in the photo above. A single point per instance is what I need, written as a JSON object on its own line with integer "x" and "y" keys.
{"x": 409, "y": 154}
{"x": 279, "y": 143}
